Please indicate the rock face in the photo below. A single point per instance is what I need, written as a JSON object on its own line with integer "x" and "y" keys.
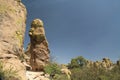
{"x": 12, "y": 30}
{"x": 39, "y": 52}
{"x": 12, "y": 26}
{"x": 12, "y": 62}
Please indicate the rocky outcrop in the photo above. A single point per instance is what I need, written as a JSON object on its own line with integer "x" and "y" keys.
{"x": 105, "y": 63}
{"x": 12, "y": 26}
{"x": 13, "y": 64}
{"x": 12, "y": 30}
{"x": 38, "y": 47}
{"x": 66, "y": 71}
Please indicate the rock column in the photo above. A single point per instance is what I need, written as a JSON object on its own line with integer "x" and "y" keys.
{"x": 39, "y": 52}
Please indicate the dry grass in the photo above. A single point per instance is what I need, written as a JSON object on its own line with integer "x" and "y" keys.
{"x": 7, "y": 74}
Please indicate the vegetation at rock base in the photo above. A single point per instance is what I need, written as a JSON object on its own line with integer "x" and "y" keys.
{"x": 54, "y": 70}
{"x": 95, "y": 74}
{"x": 80, "y": 71}
{"x": 8, "y": 74}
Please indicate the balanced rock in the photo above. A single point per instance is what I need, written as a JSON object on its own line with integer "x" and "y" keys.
{"x": 12, "y": 30}
{"x": 39, "y": 52}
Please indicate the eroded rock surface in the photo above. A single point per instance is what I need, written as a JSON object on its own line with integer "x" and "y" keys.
{"x": 12, "y": 26}
{"x": 38, "y": 47}
{"x": 12, "y": 30}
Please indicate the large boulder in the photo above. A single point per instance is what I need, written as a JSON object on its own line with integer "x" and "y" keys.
{"x": 108, "y": 62}
{"x": 12, "y": 30}
{"x": 13, "y": 66}
{"x": 38, "y": 47}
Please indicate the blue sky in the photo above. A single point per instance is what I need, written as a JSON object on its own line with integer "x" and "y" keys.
{"x": 88, "y": 28}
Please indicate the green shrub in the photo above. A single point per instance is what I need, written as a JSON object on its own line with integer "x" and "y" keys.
{"x": 52, "y": 68}
{"x": 78, "y": 62}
